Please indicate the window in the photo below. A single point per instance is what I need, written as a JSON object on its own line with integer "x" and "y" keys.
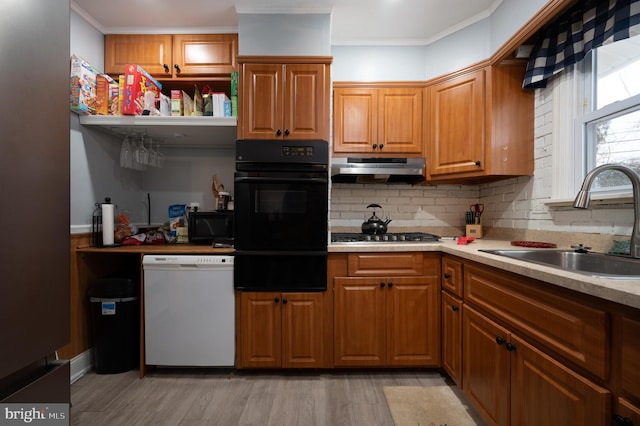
{"x": 609, "y": 132}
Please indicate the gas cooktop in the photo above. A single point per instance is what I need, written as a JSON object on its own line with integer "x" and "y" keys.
{"x": 399, "y": 237}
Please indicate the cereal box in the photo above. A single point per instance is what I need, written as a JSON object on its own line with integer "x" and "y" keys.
{"x": 82, "y": 86}
{"x": 176, "y": 103}
{"x": 103, "y": 93}
{"x": 136, "y": 82}
{"x": 114, "y": 99}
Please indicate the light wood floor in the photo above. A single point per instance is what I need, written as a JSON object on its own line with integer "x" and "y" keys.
{"x": 231, "y": 397}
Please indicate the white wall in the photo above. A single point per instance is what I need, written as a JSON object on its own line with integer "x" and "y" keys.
{"x": 284, "y": 34}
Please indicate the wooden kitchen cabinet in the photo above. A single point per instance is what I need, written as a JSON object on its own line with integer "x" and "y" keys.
{"x": 387, "y": 320}
{"x": 166, "y": 56}
{"x": 452, "y": 291}
{"x": 480, "y": 124}
{"x": 378, "y": 119}
{"x": 281, "y": 330}
{"x": 284, "y": 100}
{"x": 512, "y": 383}
{"x": 628, "y": 402}
{"x": 452, "y": 337}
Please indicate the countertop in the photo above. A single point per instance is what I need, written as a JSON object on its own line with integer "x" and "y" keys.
{"x": 623, "y": 291}
{"x": 160, "y": 249}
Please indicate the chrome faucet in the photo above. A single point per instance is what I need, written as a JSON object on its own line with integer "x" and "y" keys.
{"x": 583, "y": 198}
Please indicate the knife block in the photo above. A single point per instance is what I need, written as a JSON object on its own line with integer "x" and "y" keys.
{"x": 474, "y": 231}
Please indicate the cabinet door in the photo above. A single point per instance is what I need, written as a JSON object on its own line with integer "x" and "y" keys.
{"x": 486, "y": 367}
{"x": 359, "y": 322}
{"x": 302, "y": 330}
{"x": 630, "y": 371}
{"x": 544, "y": 392}
{"x": 355, "y": 120}
{"x": 452, "y": 337}
{"x": 400, "y": 120}
{"x": 305, "y": 104}
{"x": 151, "y": 52}
{"x": 261, "y": 329}
{"x": 457, "y": 125}
{"x": 413, "y": 321}
{"x": 204, "y": 54}
{"x": 261, "y": 108}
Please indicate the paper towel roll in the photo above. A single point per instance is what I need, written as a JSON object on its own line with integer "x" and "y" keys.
{"x": 107, "y": 224}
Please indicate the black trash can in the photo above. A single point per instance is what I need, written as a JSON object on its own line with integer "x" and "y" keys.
{"x": 115, "y": 320}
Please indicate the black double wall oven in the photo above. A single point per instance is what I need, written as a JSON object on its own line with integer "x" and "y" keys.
{"x": 281, "y": 215}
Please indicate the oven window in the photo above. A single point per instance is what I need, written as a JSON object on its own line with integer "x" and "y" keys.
{"x": 278, "y": 201}
{"x": 289, "y": 215}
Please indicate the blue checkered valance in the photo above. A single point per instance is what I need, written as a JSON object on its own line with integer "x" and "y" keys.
{"x": 587, "y": 25}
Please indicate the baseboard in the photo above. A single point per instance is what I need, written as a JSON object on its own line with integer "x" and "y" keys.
{"x": 81, "y": 365}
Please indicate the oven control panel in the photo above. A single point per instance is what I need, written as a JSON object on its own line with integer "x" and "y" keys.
{"x": 297, "y": 151}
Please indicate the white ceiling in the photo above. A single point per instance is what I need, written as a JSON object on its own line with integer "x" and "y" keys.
{"x": 386, "y": 22}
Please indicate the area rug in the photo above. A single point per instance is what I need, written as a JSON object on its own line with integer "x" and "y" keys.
{"x": 426, "y": 406}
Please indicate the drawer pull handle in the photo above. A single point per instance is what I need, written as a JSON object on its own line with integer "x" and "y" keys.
{"x": 166, "y": 67}
{"x": 177, "y": 68}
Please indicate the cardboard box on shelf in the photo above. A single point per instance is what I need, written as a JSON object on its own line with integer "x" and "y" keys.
{"x": 82, "y": 87}
{"x": 176, "y": 103}
{"x": 103, "y": 93}
{"x": 136, "y": 82}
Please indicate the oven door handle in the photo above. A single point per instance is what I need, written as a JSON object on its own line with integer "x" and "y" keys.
{"x": 298, "y": 180}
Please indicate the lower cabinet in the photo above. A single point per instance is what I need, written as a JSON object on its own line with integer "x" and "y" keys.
{"x": 386, "y": 321}
{"x": 511, "y": 382}
{"x": 452, "y": 337}
{"x": 627, "y": 410}
{"x": 281, "y": 330}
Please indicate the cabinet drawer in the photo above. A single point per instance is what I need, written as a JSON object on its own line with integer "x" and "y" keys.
{"x": 574, "y": 331}
{"x": 452, "y": 275}
{"x": 399, "y": 263}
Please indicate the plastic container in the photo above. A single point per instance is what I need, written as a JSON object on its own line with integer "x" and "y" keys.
{"x": 115, "y": 320}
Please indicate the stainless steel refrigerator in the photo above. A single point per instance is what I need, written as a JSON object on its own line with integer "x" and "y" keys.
{"x": 34, "y": 200}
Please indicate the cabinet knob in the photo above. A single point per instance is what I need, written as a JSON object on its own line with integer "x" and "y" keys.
{"x": 619, "y": 420}
{"x": 510, "y": 347}
{"x": 382, "y": 285}
{"x": 390, "y": 285}
{"x": 286, "y": 132}
{"x": 478, "y": 163}
{"x": 177, "y": 68}
{"x": 278, "y": 132}
{"x": 166, "y": 68}
{"x": 276, "y": 300}
{"x": 500, "y": 340}
{"x": 374, "y": 146}
{"x": 447, "y": 276}
{"x": 381, "y": 146}
{"x": 454, "y": 308}
{"x": 284, "y": 301}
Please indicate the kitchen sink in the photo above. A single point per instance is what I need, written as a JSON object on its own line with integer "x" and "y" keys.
{"x": 593, "y": 264}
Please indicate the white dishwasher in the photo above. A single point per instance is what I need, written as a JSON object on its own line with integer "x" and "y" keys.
{"x": 189, "y": 310}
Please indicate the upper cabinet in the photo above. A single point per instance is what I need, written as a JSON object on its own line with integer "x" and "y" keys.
{"x": 166, "y": 56}
{"x": 284, "y": 98}
{"x": 480, "y": 125}
{"x": 378, "y": 119}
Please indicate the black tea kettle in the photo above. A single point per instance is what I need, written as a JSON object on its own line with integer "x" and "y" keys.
{"x": 375, "y": 225}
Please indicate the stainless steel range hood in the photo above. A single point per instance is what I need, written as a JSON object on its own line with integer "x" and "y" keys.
{"x": 377, "y": 170}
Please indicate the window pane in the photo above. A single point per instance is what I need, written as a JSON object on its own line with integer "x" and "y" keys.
{"x": 618, "y": 68}
{"x": 617, "y": 140}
